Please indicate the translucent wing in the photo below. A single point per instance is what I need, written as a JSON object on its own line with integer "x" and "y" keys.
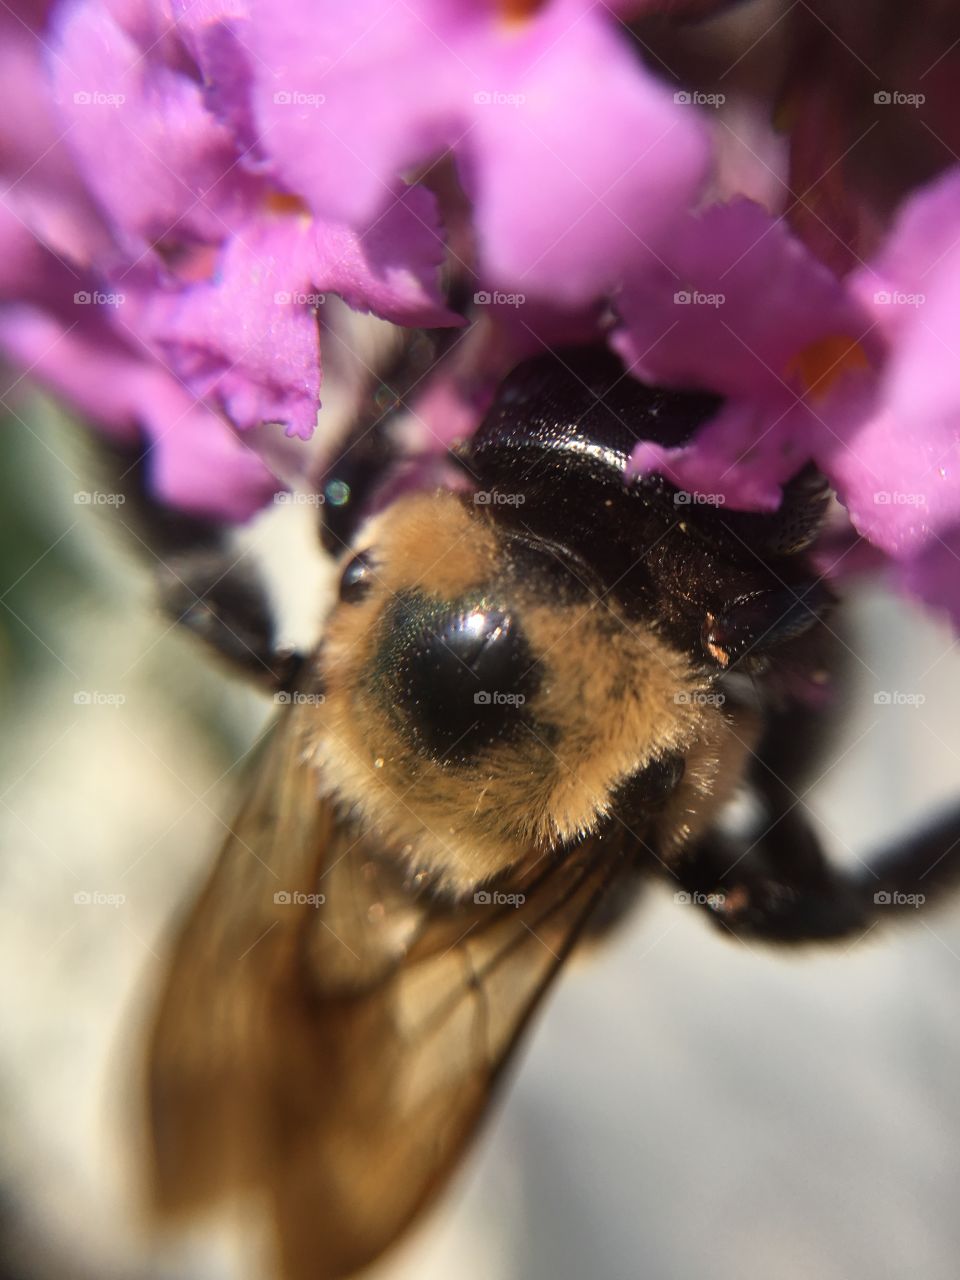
{"x": 330, "y": 1034}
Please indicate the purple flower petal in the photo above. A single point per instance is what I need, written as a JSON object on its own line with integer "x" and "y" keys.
{"x": 195, "y": 460}
{"x": 37, "y": 179}
{"x": 902, "y": 475}
{"x": 897, "y": 477}
{"x": 571, "y": 172}
{"x": 923, "y": 235}
{"x": 392, "y": 268}
{"x": 141, "y": 185}
{"x": 886, "y": 435}
{"x": 734, "y": 302}
{"x": 587, "y": 170}
{"x": 159, "y": 164}
{"x": 743, "y": 456}
{"x": 933, "y": 573}
{"x": 90, "y": 372}
{"x": 740, "y": 307}
{"x": 351, "y": 96}
{"x": 217, "y": 33}
{"x": 249, "y": 338}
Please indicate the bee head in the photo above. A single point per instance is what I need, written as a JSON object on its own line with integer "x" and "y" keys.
{"x": 487, "y": 700}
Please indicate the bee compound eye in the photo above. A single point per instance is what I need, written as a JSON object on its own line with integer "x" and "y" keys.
{"x": 357, "y": 578}
{"x": 462, "y": 680}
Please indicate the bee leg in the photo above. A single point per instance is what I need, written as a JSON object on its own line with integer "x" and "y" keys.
{"x": 774, "y": 881}
{"x": 921, "y": 870}
{"x": 223, "y": 603}
{"x": 751, "y": 892}
{"x": 202, "y": 579}
{"x": 781, "y": 886}
{"x": 746, "y": 894}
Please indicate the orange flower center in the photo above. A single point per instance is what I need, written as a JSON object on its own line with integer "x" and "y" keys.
{"x": 283, "y": 204}
{"x": 823, "y": 362}
{"x": 517, "y": 12}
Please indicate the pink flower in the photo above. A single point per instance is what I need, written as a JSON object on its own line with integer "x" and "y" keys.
{"x": 199, "y": 276}
{"x": 857, "y": 376}
{"x": 574, "y": 155}
{"x": 186, "y": 185}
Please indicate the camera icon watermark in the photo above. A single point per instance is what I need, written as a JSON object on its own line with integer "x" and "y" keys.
{"x": 96, "y": 898}
{"x": 97, "y": 298}
{"x": 494, "y": 698}
{"x": 496, "y": 98}
{"x": 684, "y": 498}
{"x": 697, "y": 298}
{"x": 494, "y": 498}
{"x": 494, "y": 898}
{"x": 84, "y": 498}
{"x": 895, "y": 98}
{"x": 94, "y": 98}
{"x": 296, "y": 898}
{"x": 699, "y": 698}
{"x": 896, "y": 498}
{"x": 298, "y": 298}
{"x": 896, "y": 698}
{"x": 712, "y": 900}
{"x": 897, "y": 298}
{"x": 94, "y": 698}
{"x": 695, "y": 98}
{"x": 893, "y": 898}
{"x": 497, "y": 298}
{"x": 293, "y": 98}
{"x": 308, "y": 499}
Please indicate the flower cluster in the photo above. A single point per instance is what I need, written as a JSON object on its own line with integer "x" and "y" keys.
{"x": 185, "y": 184}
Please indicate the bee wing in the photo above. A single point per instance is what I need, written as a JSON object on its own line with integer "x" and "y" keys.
{"x": 338, "y": 1055}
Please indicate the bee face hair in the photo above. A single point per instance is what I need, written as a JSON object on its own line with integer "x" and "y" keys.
{"x": 484, "y": 703}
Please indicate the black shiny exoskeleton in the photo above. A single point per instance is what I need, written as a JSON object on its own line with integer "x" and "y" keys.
{"x": 560, "y": 433}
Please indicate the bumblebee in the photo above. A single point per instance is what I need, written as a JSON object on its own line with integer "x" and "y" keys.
{"x": 536, "y": 689}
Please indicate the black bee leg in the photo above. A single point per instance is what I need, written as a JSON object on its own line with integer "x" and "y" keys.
{"x": 223, "y": 604}
{"x": 774, "y": 881}
{"x": 203, "y": 581}
{"x": 920, "y": 871}
{"x": 749, "y": 895}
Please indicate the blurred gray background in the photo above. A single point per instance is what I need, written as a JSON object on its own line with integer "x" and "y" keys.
{"x": 687, "y": 1106}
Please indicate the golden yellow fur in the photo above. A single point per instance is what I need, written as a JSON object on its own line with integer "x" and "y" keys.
{"x": 612, "y": 693}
